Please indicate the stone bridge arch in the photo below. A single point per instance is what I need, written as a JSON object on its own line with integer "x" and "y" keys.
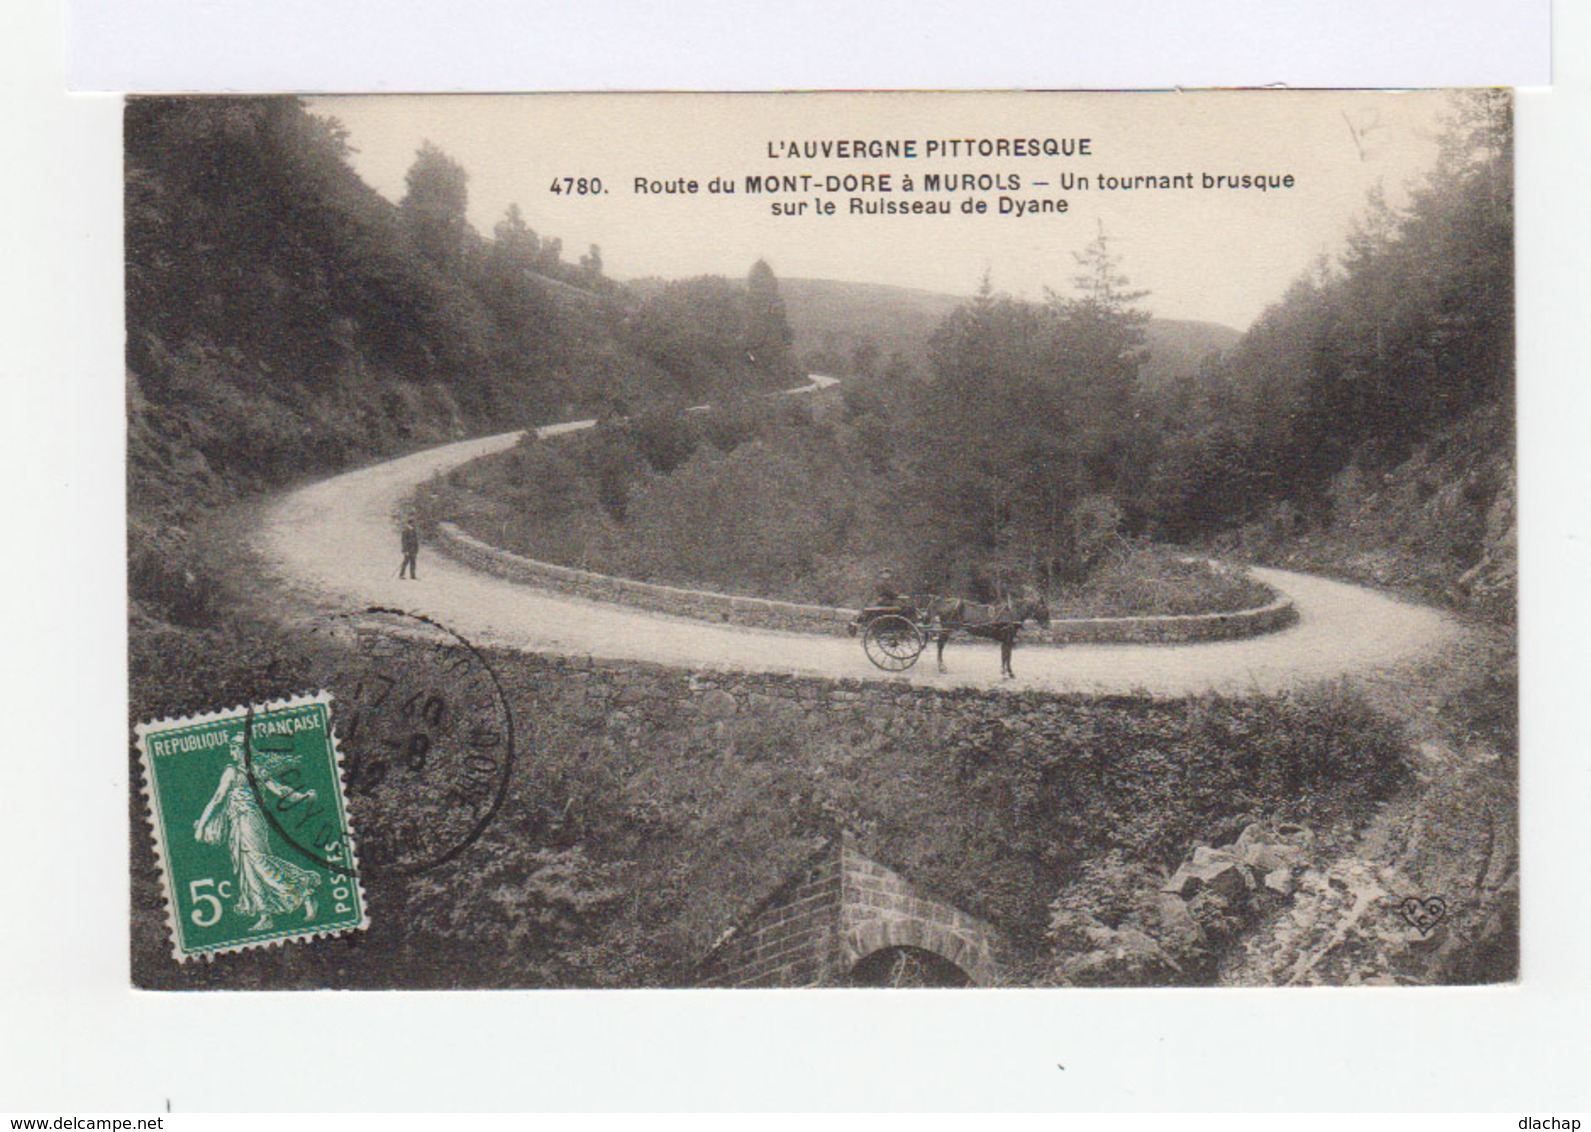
{"x": 831, "y": 914}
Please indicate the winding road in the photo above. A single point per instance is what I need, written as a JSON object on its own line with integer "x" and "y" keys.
{"x": 334, "y": 545}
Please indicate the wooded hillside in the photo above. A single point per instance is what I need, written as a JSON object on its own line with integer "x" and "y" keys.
{"x": 285, "y": 320}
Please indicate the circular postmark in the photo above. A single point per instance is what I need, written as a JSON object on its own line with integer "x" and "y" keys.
{"x": 424, "y": 731}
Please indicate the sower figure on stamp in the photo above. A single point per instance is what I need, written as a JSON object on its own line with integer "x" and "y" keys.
{"x": 268, "y": 885}
{"x": 411, "y": 550}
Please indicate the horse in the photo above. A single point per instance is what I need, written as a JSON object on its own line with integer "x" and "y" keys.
{"x": 1000, "y": 622}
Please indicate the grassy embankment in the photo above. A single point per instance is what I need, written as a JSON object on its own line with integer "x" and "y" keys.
{"x": 767, "y": 502}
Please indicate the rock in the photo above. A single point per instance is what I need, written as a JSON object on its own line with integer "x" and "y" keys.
{"x": 1266, "y": 850}
{"x": 778, "y": 712}
{"x": 1143, "y": 949}
{"x": 1213, "y": 869}
{"x": 1083, "y": 970}
{"x": 1130, "y": 958}
{"x": 718, "y": 704}
{"x": 1176, "y": 929}
{"x": 1280, "y": 881}
{"x": 1219, "y": 917}
{"x": 1097, "y": 934}
{"x": 1266, "y": 859}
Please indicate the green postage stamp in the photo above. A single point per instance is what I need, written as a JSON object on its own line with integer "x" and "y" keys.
{"x": 251, "y": 827}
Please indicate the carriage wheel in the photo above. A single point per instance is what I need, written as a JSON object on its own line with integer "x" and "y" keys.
{"x": 893, "y": 643}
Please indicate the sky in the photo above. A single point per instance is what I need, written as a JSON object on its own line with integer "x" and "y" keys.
{"x": 1209, "y": 253}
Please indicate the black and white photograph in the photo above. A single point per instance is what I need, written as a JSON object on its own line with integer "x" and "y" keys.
{"x": 827, "y": 540}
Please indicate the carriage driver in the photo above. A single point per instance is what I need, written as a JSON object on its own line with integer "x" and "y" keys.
{"x": 886, "y": 599}
{"x": 886, "y": 596}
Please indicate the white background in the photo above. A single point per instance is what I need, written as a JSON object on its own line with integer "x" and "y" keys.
{"x": 387, "y": 45}
{"x": 74, "y": 1038}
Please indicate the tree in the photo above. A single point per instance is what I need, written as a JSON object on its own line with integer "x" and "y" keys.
{"x": 1362, "y": 360}
{"x": 865, "y": 357}
{"x": 434, "y": 209}
{"x": 1101, "y": 343}
{"x": 694, "y": 330}
{"x": 1104, "y": 336}
{"x": 514, "y": 242}
{"x": 993, "y": 449}
{"x": 1100, "y": 280}
{"x": 768, "y": 335}
{"x": 1032, "y": 422}
{"x": 523, "y": 312}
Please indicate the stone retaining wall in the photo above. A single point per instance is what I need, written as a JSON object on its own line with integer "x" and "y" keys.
{"x": 650, "y": 750}
{"x": 789, "y": 616}
{"x": 701, "y": 605}
{"x": 1168, "y": 630}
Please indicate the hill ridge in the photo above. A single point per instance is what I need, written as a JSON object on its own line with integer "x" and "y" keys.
{"x": 831, "y": 318}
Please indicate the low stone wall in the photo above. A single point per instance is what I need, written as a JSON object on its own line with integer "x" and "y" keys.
{"x": 1168, "y": 630}
{"x": 789, "y": 616}
{"x": 702, "y": 605}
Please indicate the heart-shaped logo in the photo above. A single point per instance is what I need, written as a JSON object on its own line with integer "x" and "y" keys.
{"x": 1424, "y": 914}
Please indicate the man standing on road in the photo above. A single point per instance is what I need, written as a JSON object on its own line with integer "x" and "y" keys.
{"x": 411, "y": 549}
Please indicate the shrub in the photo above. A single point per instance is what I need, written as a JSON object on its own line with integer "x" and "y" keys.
{"x": 168, "y": 579}
{"x": 665, "y": 440}
{"x": 1148, "y": 580}
{"x": 732, "y": 424}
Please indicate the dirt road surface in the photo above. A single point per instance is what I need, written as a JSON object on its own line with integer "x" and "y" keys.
{"x": 334, "y": 545}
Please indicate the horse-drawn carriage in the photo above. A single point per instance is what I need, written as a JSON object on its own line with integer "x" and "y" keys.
{"x": 895, "y": 635}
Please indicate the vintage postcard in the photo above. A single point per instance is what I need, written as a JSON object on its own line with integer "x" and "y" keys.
{"x": 822, "y": 540}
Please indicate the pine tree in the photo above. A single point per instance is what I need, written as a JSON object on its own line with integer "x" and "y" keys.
{"x": 1104, "y": 336}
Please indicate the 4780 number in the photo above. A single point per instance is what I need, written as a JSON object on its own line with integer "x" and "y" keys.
{"x": 577, "y": 186}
